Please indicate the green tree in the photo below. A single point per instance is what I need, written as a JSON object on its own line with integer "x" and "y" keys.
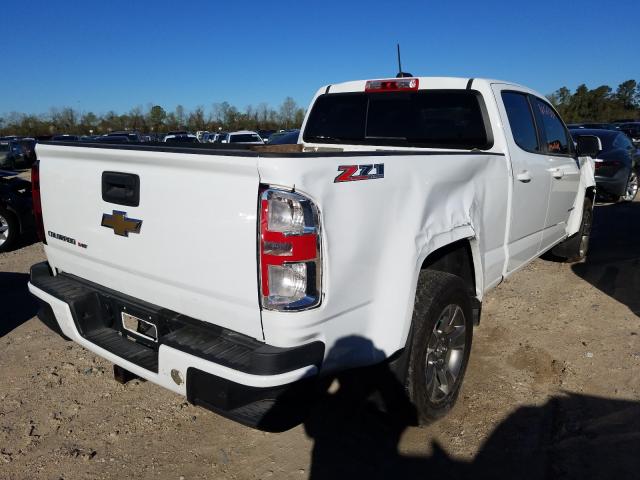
{"x": 157, "y": 116}
{"x": 288, "y": 112}
{"x": 628, "y": 94}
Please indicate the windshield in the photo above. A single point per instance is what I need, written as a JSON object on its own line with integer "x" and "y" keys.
{"x": 429, "y": 118}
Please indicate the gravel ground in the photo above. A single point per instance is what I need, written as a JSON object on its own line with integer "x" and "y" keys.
{"x": 552, "y": 391}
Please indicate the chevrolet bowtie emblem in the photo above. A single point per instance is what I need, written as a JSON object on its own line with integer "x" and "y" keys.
{"x": 121, "y": 224}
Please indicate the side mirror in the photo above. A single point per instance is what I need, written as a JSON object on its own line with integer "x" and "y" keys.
{"x": 588, "y": 146}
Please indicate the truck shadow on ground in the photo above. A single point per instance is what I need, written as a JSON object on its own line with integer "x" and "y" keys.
{"x": 17, "y": 305}
{"x": 571, "y": 436}
{"x": 613, "y": 261}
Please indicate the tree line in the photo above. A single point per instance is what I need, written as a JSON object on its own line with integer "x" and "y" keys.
{"x": 155, "y": 119}
{"x": 601, "y": 104}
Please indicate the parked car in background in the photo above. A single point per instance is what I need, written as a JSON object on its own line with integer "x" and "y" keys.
{"x": 112, "y": 139}
{"x": 29, "y": 151}
{"x": 181, "y": 138}
{"x": 218, "y": 137}
{"x": 89, "y": 138}
{"x": 284, "y": 138}
{"x": 132, "y": 136}
{"x": 245, "y": 137}
{"x": 200, "y": 134}
{"x": 616, "y": 167}
{"x": 65, "y": 138}
{"x": 266, "y": 134}
{"x": 16, "y": 213}
{"x": 632, "y": 129}
{"x": 11, "y": 154}
{"x": 603, "y": 126}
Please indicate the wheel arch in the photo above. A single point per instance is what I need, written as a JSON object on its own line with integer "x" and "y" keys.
{"x": 461, "y": 257}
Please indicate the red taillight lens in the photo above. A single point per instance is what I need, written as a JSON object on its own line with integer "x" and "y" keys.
{"x": 607, "y": 163}
{"x": 392, "y": 85}
{"x": 37, "y": 204}
{"x": 290, "y": 266}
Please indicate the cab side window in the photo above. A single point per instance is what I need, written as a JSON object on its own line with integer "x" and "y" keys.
{"x": 553, "y": 131}
{"x": 521, "y": 121}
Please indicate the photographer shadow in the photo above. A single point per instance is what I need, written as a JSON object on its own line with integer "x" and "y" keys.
{"x": 613, "y": 261}
{"x": 17, "y": 305}
{"x": 570, "y": 436}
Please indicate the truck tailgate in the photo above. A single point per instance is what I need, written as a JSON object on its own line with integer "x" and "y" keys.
{"x": 195, "y": 252}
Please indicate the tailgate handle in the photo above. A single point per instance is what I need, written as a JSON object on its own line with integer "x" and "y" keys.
{"x": 121, "y": 188}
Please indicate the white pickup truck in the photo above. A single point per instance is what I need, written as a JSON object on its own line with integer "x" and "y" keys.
{"x": 229, "y": 275}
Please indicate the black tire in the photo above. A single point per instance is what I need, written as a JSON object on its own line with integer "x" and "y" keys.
{"x": 436, "y": 294}
{"x": 575, "y": 248}
{"x": 9, "y": 229}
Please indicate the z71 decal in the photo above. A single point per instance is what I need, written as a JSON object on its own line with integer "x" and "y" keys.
{"x": 353, "y": 173}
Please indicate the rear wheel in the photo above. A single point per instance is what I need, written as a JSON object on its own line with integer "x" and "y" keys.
{"x": 632, "y": 188}
{"x": 575, "y": 248}
{"x": 440, "y": 345}
{"x": 8, "y": 229}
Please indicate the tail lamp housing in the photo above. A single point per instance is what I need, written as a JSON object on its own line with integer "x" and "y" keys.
{"x": 607, "y": 163}
{"x": 290, "y": 253}
{"x": 37, "y": 203}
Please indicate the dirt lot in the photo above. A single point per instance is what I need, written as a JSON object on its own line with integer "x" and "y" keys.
{"x": 552, "y": 391}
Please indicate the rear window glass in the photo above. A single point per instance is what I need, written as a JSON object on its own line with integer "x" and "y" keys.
{"x": 429, "y": 118}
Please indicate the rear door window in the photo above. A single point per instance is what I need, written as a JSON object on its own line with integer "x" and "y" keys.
{"x": 557, "y": 141}
{"x": 428, "y": 118}
{"x": 521, "y": 121}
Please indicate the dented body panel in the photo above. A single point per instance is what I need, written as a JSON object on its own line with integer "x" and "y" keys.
{"x": 377, "y": 233}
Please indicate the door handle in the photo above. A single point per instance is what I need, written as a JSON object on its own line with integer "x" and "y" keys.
{"x": 557, "y": 173}
{"x": 121, "y": 188}
{"x": 524, "y": 177}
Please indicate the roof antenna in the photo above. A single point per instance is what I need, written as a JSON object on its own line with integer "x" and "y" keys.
{"x": 401, "y": 74}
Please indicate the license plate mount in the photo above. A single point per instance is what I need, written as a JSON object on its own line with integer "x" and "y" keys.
{"x": 140, "y": 328}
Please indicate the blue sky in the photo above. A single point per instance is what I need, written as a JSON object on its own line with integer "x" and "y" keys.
{"x": 100, "y": 56}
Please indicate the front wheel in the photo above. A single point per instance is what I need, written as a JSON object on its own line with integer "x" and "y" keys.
{"x": 441, "y": 343}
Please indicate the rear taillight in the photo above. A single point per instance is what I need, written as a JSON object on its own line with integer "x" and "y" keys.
{"x": 37, "y": 204}
{"x": 290, "y": 263}
{"x": 392, "y": 85}
{"x": 607, "y": 163}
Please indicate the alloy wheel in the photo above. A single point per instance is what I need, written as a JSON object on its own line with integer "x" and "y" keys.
{"x": 445, "y": 353}
{"x": 632, "y": 188}
{"x": 4, "y": 230}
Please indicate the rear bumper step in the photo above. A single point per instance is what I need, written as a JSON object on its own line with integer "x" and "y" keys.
{"x": 224, "y": 371}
